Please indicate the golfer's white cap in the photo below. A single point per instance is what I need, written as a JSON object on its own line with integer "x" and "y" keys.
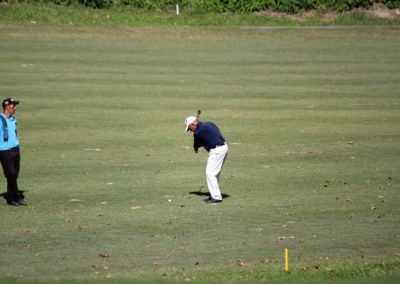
{"x": 188, "y": 121}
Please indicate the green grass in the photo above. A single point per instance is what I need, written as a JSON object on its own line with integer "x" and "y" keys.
{"x": 311, "y": 116}
{"x": 78, "y": 15}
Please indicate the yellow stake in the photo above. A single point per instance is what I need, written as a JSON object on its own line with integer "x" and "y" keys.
{"x": 286, "y": 260}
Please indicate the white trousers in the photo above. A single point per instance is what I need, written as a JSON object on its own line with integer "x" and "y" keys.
{"x": 216, "y": 159}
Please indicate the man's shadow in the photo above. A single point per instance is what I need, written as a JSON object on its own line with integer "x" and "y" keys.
{"x": 20, "y": 194}
{"x": 200, "y": 192}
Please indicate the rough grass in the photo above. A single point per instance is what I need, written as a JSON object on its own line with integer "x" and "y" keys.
{"x": 311, "y": 116}
{"x": 78, "y": 15}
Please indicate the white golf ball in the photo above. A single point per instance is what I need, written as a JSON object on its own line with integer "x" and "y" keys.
{"x": 169, "y": 200}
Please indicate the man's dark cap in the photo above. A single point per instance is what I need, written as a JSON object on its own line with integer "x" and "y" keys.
{"x": 9, "y": 101}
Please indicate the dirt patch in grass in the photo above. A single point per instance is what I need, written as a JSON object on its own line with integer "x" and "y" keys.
{"x": 378, "y": 10}
{"x": 381, "y": 11}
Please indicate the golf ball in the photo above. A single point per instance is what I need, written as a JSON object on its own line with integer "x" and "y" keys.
{"x": 169, "y": 200}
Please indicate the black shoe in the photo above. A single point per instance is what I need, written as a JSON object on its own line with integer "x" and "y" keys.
{"x": 22, "y": 202}
{"x": 13, "y": 203}
{"x": 212, "y": 201}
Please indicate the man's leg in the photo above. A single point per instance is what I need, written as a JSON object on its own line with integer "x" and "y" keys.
{"x": 216, "y": 159}
{"x": 10, "y": 163}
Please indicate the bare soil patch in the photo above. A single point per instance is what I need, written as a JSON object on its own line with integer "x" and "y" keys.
{"x": 381, "y": 11}
{"x": 378, "y": 10}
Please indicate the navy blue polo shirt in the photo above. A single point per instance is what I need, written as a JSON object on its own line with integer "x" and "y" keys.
{"x": 207, "y": 135}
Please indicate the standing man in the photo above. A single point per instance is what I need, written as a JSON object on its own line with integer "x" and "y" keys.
{"x": 9, "y": 152}
{"x": 206, "y": 134}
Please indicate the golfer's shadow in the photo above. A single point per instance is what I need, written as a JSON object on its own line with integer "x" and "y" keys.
{"x": 203, "y": 193}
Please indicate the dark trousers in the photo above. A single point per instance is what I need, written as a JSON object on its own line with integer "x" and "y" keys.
{"x": 10, "y": 160}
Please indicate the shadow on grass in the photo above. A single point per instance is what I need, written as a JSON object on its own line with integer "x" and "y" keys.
{"x": 20, "y": 195}
{"x": 201, "y": 193}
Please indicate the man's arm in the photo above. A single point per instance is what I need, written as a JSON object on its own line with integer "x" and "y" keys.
{"x": 197, "y": 143}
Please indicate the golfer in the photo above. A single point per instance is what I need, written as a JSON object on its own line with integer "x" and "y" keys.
{"x": 9, "y": 152}
{"x": 207, "y": 135}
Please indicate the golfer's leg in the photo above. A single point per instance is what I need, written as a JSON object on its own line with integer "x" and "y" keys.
{"x": 213, "y": 186}
{"x": 213, "y": 169}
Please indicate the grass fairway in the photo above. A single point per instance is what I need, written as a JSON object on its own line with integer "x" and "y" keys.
{"x": 311, "y": 116}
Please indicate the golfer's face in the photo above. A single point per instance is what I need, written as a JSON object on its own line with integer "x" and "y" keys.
{"x": 193, "y": 127}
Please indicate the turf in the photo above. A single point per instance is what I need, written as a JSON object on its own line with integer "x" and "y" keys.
{"x": 311, "y": 116}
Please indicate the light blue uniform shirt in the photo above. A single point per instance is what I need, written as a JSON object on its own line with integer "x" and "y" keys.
{"x": 12, "y": 134}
